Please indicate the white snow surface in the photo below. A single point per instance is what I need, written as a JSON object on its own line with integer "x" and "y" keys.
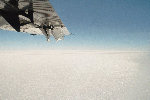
{"x": 74, "y": 75}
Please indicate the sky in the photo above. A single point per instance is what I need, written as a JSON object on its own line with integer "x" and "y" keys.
{"x": 94, "y": 24}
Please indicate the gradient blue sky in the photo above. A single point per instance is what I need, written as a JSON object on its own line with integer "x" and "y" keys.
{"x": 95, "y": 24}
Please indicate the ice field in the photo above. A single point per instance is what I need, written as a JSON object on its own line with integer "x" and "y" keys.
{"x": 74, "y": 75}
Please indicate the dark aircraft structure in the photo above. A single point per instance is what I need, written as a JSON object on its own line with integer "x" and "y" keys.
{"x": 33, "y": 17}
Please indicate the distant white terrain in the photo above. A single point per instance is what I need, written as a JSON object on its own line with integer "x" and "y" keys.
{"x": 74, "y": 75}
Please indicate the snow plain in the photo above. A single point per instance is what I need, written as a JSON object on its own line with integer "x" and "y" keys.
{"x": 74, "y": 75}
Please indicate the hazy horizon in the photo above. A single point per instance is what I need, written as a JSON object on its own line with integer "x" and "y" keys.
{"x": 107, "y": 56}
{"x": 98, "y": 24}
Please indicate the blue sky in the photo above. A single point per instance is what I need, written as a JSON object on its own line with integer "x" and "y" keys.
{"x": 95, "y": 24}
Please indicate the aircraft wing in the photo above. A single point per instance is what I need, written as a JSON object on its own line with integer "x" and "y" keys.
{"x": 37, "y": 13}
{"x": 28, "y": 28}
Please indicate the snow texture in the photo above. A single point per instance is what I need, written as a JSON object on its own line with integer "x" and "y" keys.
{"x": 74, "y": 75}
